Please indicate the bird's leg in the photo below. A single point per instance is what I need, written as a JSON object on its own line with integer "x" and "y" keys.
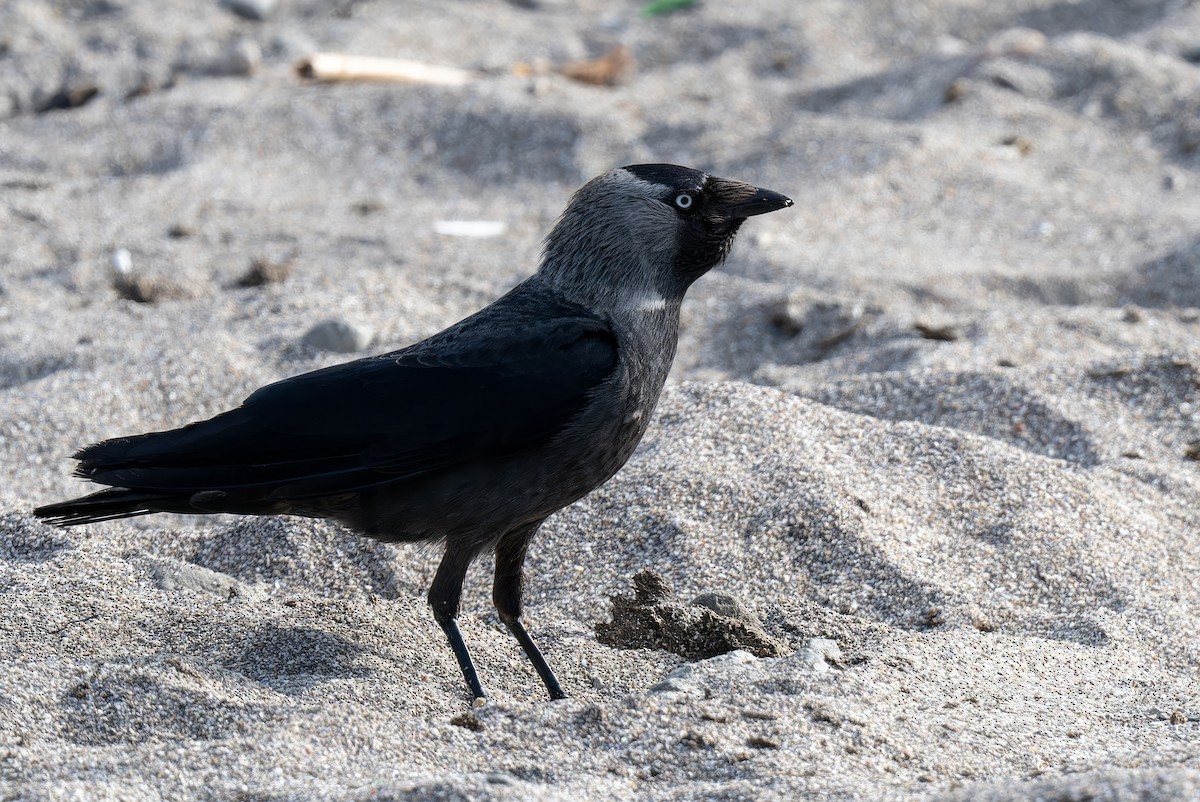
{"x": 507, "y": 593}
{"x": 444, "y": 596}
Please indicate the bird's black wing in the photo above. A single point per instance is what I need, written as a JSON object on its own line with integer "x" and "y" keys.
{"x": 376, "y": 420}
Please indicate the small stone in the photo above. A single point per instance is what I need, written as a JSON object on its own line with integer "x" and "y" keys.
{"x": 728, "y": 606}
{"x": 670, "y": 685}
{"x": 122, "y": 261}
{"x": 338, "y": 336}
{"x": 1178, "y": 717}
{"x": 241, "y": 59}
{"x": 821, "y": 654}
{"x": 736, "y": 657}
{"x": 171, "y": 575}
{"x": 256, "y": 10}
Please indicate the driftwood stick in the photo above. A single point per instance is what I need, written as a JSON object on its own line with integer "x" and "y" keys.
{"x": 339, "y": 67}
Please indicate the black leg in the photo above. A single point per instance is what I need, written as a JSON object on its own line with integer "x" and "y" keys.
{"x": 444, "y": 596}
{"x": 508, "y": 592}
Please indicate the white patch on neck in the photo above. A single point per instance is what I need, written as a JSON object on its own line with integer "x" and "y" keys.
{"x": 647, "y": 302}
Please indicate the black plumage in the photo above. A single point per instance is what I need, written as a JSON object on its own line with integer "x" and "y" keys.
{"x": 304, "y": 445}
{"x": 477, "y": 434}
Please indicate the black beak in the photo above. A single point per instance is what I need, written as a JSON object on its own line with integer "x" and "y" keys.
{"x": 738, "y": 200}
{"x": 760, "y": 202}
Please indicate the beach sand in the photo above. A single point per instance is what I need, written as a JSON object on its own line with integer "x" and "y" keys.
{"x": 935, "y": 430}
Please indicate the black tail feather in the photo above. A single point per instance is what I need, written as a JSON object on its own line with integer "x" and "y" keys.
{"x": 108, "y": 505}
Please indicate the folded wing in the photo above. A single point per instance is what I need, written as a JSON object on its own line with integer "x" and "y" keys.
{"x": 375, "y": 420}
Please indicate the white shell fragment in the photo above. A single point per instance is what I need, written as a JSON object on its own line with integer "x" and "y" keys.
{"x": 481, "y": 229}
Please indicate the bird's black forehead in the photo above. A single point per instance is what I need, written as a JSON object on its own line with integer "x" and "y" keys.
{"x": 671, "y": 175}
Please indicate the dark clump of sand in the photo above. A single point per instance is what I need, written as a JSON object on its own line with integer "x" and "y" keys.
{"x": 931, "y": 448}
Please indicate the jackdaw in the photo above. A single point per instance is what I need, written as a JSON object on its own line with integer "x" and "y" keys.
{"x": 476, "y": 435}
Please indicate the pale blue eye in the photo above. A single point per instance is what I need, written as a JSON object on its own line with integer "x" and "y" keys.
{"x": 684, "y": 200}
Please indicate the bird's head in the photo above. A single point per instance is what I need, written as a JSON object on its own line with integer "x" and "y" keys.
{"x": 649, "y": 229}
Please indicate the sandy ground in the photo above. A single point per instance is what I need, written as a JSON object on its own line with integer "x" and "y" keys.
{"x": 935, "y": 429}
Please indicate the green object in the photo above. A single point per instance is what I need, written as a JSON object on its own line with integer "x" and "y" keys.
{"x": 659, "y": 7}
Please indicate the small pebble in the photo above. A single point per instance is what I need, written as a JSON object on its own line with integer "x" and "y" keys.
{"x": 728, "y": 606}
{"x": 172, "y": 575}
{"x": 122, "y": 261}
{"x": 670, "y": 685}
{"x": 257, "y": 10}
{"x": 339, "y": 337}
{"x": 818, "y": 653}
{"x": 241, "y": 59}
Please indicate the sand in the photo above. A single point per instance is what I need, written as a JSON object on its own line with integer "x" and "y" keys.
{"x": 933, "y": 432}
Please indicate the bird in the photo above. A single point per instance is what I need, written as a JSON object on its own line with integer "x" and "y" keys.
{"x": 476, "y": 435}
